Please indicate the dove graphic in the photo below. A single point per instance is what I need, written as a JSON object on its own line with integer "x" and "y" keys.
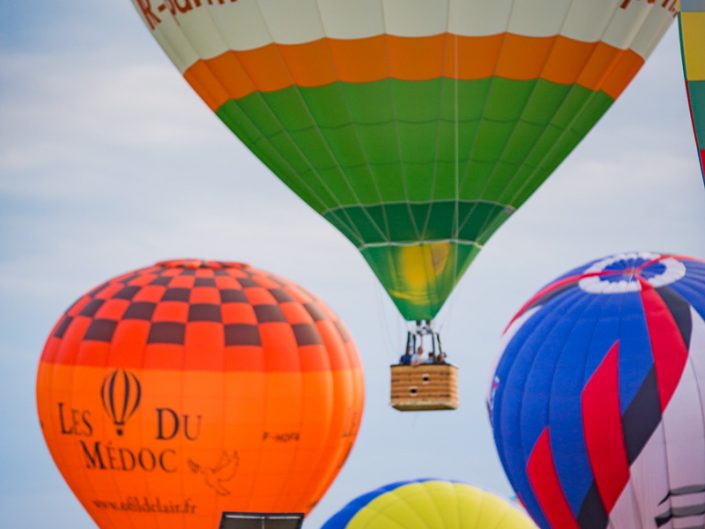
{"x": 217, "y": 476}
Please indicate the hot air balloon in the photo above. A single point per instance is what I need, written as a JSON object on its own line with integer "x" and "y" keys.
{"x": 196, "y": 393}
{"x": 416, "y": 128}
{"x": 425, "y": 503}
{"x": 598, "y": 396}
{"x": 692, "y": 32}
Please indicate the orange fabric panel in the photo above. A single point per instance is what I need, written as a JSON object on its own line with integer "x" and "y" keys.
{"x": 203, "y": 349}
{"x": 243, "y": 358}
{"x": 205, "y": 295}
{"x": 523, "y": 58}
{"x": 167, "y": 311}
{"x": 415, "y": 59}
{"x": 625, "y": 68}
{"x": 236, "y": 74}
{"x": 196, "y": 443}
{"x": 128, "y": 341}
{"x": 215, "y": 83}
{"x": 113, "y": 309}
{"x": 480, "y": 56}
{"x": 152, "y": 293}
{"x": 161, "y": 356}
{"x": 360, "y": 58}
{"x": 601, "y": 69}
{"x": 259, "y": 296}
{"x": 567, "y": 61}
{"x": 309, "y": 64}
{"x": 238, "y": 313}
{"x": 68, "y": 349}
{"x": 266, "y": 68}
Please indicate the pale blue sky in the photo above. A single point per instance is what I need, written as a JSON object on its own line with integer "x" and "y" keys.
{"x": 109, "y": 162}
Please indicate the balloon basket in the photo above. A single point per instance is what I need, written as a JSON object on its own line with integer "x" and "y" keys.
{"x": 253, "y": 520}
{"x": 425, "y": 387}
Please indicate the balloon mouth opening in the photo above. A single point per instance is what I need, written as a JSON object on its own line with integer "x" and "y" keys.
{"x": 195, "y": 264}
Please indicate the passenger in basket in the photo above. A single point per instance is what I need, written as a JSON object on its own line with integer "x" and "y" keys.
{"x": 419, "y": 357}
{"x": 405, "y": 359}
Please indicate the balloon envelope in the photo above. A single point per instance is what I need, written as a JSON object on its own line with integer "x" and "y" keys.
{"x": 597, "y": 399}
{"x": 416, "y": 128}
{"x": 184, "y": 390}
{"x": 420, "y": 504}
{"x": 692, "y": 32}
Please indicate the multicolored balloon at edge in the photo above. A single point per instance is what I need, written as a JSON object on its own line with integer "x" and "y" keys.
{"x": 691, "y": 20}
{"x": 415, "y": 128}
{"x": 598, "y": 396}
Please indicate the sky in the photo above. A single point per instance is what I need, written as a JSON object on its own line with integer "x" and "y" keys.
{"x": 109, "y": 162}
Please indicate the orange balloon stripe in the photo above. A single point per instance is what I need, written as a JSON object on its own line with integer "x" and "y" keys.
{"x": 237, "y": 74}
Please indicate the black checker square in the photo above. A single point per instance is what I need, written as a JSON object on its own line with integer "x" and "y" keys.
{"x": 316, "y": 314}
{"x": 91, "y": 307}
{"x": 140, "y": 310}
{"x": 204, "y": 312}
{"x": 101, "y": 330}
{"x": 61, "y": 329}
{"x": 176, "y": 294}
{"x": 188, "y": 272}
{"x": 268, "y": 313}
{"x": 162, "y": 281}
{"x": 242, "y": 334}
{"x": 204, "y": 282}
{"x": 247, "y": 282}
{"x": 127, "y": 292}
{"x": 231, "y": 295}
{"x": 167, "y": 333}
{"x": 306, "y": 334}
{"x": 280, "y": 295}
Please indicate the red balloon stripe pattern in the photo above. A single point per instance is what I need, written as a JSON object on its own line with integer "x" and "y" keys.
{"x": 176, "y": 309}
{"x": 596, "y": 403}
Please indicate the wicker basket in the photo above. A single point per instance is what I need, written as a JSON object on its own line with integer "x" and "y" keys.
{"x": 424, "y": 387}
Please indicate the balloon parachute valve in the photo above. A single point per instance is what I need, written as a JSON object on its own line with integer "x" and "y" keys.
{"x": 251, "y": 520}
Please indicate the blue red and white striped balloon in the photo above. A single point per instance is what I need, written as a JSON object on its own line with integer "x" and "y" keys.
{"x": 597, "y": 402}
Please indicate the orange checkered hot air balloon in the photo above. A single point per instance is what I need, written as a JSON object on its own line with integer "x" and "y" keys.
{"x": 197, "y": 393}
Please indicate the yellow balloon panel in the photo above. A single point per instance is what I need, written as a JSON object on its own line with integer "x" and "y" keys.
{"x": 427, "y": 504}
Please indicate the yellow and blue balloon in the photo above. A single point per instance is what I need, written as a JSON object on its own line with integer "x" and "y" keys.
{"x": 424, "y": 503}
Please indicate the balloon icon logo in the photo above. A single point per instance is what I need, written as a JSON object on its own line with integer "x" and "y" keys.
{"x": 121, "y": 393}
